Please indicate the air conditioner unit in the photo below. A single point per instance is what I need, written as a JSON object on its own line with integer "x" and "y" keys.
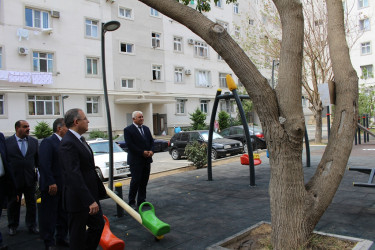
{"x": 111, "y": 1}
{"x": 23, "y": 51}
{"x": 55, "y": 14}
{"x": 188, "y": 72}
{"x": 190, "y": 41}
{"x": 47, "y": 31}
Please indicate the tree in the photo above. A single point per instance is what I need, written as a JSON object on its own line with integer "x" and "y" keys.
{"x": 223, "y": 120}
{"x": 296, "y": 207}
{"x": 366, "y": 100}
{"x": 42, "y": 130}
{"x": 198, "y": 118}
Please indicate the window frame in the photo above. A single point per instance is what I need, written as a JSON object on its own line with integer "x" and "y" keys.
{"x": 43, "y": 14}
{"x": 369, "y": 73}
{"x": 2, "y": 105}
{"x": 92, "y": 103}
{"x": 366, "y": 46}
{"x": 207, "y": 75}
{"x": 178, "y": 44}
{"x": 156, "y": 39}
{"x": 154, "y": 13}
{"x": 361, "y": 6}
{"x": 200, "y": 48}
{"x": 203, "y": 103}
{"x": 126, "y": 79}
{"x": 126, "y": 45}
{"x": 219, "y": 4}
{"x": 180, "y": 105}
{"x": 157, "y": 68}
{"x": 236, "y": 8}
{"x": 39, "y": 59}
{"x": 362, "y": 24}
{"x": 91, "y": 74}
{"x": 91, "y": 25}
{"x": 124, "y": 16}
{"x": 178, "y": 71}
{"x": 55, "y": 100}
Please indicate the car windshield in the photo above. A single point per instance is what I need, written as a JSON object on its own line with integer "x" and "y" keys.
{"x": 215, "y": 135}
{"x": 102, "y": 148}
{"x": 120, "y": 138}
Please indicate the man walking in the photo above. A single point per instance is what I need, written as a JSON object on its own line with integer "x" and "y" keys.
{"x": 140, "y": 151}
{"x": 23, "y": 159}
{"x": 50, "y": 184}
{"x": 7, "y": 183}
{"x": 82, "y": 187}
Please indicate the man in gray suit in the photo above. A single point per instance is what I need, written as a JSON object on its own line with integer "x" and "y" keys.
{"x": 22, "y": 154}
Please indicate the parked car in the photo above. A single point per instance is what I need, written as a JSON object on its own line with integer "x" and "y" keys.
{"x": 238, "y": 133}
{"x": 220, "y": 146}
{"x": 101, "y": 156}
{"x": 159, "y": 144}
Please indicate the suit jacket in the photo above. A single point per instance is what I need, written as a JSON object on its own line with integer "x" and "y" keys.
{"x": 49, "y": 164}
{"x": 137, "y": 144}
{"x": 81, "y": 184}
{"x": 23, "y": 167}
{"x": 7, "y": 182}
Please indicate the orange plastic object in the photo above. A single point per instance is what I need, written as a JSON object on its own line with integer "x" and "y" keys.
{"x": 109, "y": 241}
{"x": 245, "y": 159}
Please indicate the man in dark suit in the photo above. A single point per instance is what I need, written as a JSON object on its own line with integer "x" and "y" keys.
{"x": 50, "y": 184}
{"x": 23, "y": 159}
{"x": 7, "y": 183}
{"x": 140, "y": 144}
{"x": 82, "y": 187}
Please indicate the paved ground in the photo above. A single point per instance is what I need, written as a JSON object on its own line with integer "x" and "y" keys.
{"x": 203, "y": 212}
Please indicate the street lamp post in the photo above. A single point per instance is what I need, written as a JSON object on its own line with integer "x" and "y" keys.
{"x": 109, "y": 26}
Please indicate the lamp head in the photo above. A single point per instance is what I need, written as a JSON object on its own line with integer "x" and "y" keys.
{"x": 111, "y": 26}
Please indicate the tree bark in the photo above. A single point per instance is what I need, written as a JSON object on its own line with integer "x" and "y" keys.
{"x": 295, "y": 207}
{"x": 318, "y": 126}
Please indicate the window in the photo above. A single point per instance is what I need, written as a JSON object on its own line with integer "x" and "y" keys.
{"x": 218, "y": 4}
{"x": 177, "y": 44}
{"x": 364, "y": 24}
{"x": 127, "y": 48}
{"x": 1, "y": 104}
{"x": 37, "y": 18}
{"x": 42, "y": 62}
{"x": 44, "y": 105}
{"x": 365, "y": 48}
{"x": 92, "y": 104}
{"x": 154, "y": 12}
{"x": 91, "y": 28}
{"x": 367, "y": 71}
{"x": 156, "y": 72}
{"x": 125, "y": 13}
{"x": 155, "y": 39}
{"x": 235, "y": 8}
{"x": 227, "y": 106}
{"x": 92, "y": 66}
{"x": 251, "y": 21}
{"x": 127, "y": 83}
{"x": 202, "y": 78}
{"x": 180, "y": 106}
{"x": 204, "y": 106}
{"x": 1, "y": 57}
{"x": 224, "y": 24}
{"x": 200, "y": 49}
{"x": 178, "y": 73}
{"x": 223, "y": 80}
{"x": 362, "y": 3}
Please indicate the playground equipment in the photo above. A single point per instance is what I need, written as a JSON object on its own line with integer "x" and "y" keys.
{"x": 370, "y": 171}
{"x": 147, "y": 219}
{"x": 245, "y": 159}
{"x": 109, "y": 241}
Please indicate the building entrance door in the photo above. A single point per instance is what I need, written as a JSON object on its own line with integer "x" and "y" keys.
{"x": 159, "y": 123}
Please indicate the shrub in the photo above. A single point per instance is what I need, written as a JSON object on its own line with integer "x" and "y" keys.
{"x": 98, "y": 134}
{"x": 198, "y": 118}
{"x": 223, "y": 120}
{"x": 197, "y": 154}
{"x": 42, "y": 130}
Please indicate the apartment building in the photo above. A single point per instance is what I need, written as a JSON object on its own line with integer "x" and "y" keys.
{"x": 50, "y": 61}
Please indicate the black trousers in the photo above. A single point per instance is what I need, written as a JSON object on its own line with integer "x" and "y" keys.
{"x": 14, "y": 208}
{"x": 53, "y": 219}
{"x": 82, "y": 238}
{"x": 138, "y": 184}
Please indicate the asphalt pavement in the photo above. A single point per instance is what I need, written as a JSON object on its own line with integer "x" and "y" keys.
{"x": 202, "y": 213}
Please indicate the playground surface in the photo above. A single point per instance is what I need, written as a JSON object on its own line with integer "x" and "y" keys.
{"x": 202, "y": 213}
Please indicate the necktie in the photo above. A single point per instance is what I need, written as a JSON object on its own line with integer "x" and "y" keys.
{"x": 141, "y": 130}
{"x": 23, "y": 146}
{"x": 85, "y": 144}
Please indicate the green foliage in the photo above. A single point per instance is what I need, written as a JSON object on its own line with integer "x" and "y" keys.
{"x": 42, "y": 130}
{"x": 198, "y": 119}
{"x": 366, "y": 100}
{"x": 366, "y": 74}
{"x": 98, "y": 134}
{"x": 224, "y": 121}
{"x": 247, "y": 106}
{"x": 203, "y": 5}
{"x": 197, "y": 153}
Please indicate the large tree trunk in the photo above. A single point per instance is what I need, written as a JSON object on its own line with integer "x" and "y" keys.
{"x": 295, "y": 207}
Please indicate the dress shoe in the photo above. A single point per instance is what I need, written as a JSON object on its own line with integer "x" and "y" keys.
{"x": 3, "y": 246}
{"x": 63, "y": 243}
{"x": 33, "y": 230}
{"x": 12, "y": 231}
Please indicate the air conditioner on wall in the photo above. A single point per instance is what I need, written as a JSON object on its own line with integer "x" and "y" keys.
{"x": 23, "y": 51}
{"x": 190, "y": 41}
{"x": 188, "y": 72}
{"x": 55, "y": 14}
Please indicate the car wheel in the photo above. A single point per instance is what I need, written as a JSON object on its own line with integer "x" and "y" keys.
{"x": 213, "y": 154}
{"x": 175, "y": 155}
{"x": 99, "y": 172}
